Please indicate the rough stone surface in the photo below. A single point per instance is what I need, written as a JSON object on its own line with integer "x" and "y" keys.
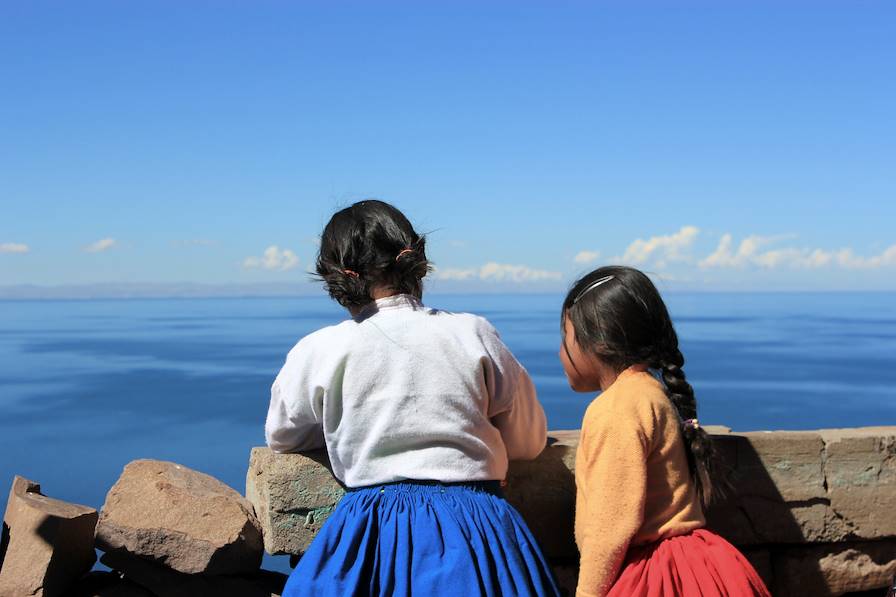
{"x": 549, "y": 511}
{"x": 822, "y": 501}
{"x": 761, "y": 559}
{"x": 293, "y": 494}
{"x": 47, "y": 544}
{"x": 187, "y": 520}
{"x": 808, "y": 487}
{"x": 164, "y": 582}
{"x": 860, "y": 471}
{"x": 834, "y": 569}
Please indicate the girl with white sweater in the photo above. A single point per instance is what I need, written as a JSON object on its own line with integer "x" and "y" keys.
{"x": 420, "y": 411}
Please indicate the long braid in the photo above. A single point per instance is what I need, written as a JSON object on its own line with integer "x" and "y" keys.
{"x": 698, "y": 445}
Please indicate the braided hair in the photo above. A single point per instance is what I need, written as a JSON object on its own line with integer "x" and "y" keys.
{"x": 368, "y": 245}
{"x": 618, "y": 316}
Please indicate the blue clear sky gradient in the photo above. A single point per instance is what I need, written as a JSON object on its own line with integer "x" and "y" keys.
{"x": 178, "y": 141}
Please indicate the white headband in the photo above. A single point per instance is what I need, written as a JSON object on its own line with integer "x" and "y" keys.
{"x": 591, "y": 287}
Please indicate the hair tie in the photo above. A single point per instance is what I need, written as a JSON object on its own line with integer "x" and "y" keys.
{"x": 691, "y": 424}
{"x": 351, "y": 273}
{"x": 402, "y": 252}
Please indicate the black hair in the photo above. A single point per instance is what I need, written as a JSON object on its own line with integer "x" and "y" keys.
{"x": 370, "y": 244}
{"x": 618, "y": 315}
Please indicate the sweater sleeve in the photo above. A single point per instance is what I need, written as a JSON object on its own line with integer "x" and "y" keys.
{"x": 513, "y": 406}
{"x": 611, "y": 469}
{"x": 295, "y": 414}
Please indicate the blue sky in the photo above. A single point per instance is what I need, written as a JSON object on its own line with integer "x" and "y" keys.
{"x": 743, "y": 145}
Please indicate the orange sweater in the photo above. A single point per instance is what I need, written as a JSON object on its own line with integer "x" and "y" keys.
{"x": 632, "y": 481}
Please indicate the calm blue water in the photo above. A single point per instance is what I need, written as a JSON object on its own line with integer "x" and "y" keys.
{"x": 87, "y": 386}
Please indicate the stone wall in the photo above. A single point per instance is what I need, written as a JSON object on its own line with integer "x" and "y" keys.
{"x": 815, "y": 511}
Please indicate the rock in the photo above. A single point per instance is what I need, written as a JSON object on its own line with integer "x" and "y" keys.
{"x": 47, "y": 543}
{"x": 293, "y": 495}
{"x": 165, "y": 582}
{"x": 185, "y": 519}
{"x": 808, "y": 487}
{"x": 106, "y": 584}
{"x": 860, "y": 471}
{"x": 549, "y": 512}
{"x": 788, "y": 487}
{"x": 834, "y": 569}
{"x": 761, "y": 559}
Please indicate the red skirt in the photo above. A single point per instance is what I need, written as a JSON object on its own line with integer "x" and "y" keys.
{"x": 699, "y": 564}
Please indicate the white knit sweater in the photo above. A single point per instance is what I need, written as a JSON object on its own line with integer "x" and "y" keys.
{"x": 406, "y": 392}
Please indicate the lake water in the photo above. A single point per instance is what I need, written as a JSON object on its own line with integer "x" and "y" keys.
{"x": 87, "y": 386}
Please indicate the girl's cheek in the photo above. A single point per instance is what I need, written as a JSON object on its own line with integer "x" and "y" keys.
{"x": 572, "y": 376}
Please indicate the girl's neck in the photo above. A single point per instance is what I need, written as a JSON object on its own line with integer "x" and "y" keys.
{"x": 610, "y": 377}
{"x": 380, "y": 292}
{"x": 376, "y": 293}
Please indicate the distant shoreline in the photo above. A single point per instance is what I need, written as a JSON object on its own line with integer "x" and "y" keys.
{"x": 149, "y": 291}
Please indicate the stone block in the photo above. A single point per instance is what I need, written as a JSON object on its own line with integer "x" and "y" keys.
{"x": 860, "y": 471}
{"x": 787, "y": 487}
{"x": 761, "y": 560}
{"x": 47, "y": 544}
{"x": 834, "y": 569}
{"x": 293, "y": 495}
{"x": 549, "y": 511}
{"x": 808, "y": 487}
{"x": 783, "y": 466}
{"x": 187, "y": 520}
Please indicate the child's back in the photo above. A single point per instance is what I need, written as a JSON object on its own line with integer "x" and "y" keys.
{"x": 407, "y": 392}
{"x": 420, "y": 411}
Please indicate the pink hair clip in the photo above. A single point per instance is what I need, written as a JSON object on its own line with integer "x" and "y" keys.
{"x": 402, "y": 252}
{"x": 691, "y": 424}
{"x": 351, "y": 273}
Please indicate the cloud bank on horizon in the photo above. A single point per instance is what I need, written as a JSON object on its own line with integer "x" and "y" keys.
{"x": 671, "y": 257}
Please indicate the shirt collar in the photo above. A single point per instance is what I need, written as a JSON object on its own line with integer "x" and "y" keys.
{"x": 389, "y": 303}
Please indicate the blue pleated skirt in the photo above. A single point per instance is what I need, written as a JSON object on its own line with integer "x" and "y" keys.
{"x": 422, "y": 538}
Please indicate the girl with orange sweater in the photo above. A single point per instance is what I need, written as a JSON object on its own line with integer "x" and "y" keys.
{"x": 643, "y": 466}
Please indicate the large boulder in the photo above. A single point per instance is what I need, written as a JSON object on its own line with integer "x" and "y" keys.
{"x": 47, "y": 544}
{"x": 184, "y": 519}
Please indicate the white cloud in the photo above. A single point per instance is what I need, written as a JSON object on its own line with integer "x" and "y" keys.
{"x": 749, "y": 254}
{"x": 667, "y": 248}
{"x": 14, "y": 248}
{"x": 586, "y": 257}
{"x": 515, "y": 273}
{"x": 848, "y": 259}
{"x": 746, "y": 253}
{"x": 273, "y": 259}
{"x": 456, "y": 274}
{"x": 104, "y": 244}
{"x": 498, "y": 272}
